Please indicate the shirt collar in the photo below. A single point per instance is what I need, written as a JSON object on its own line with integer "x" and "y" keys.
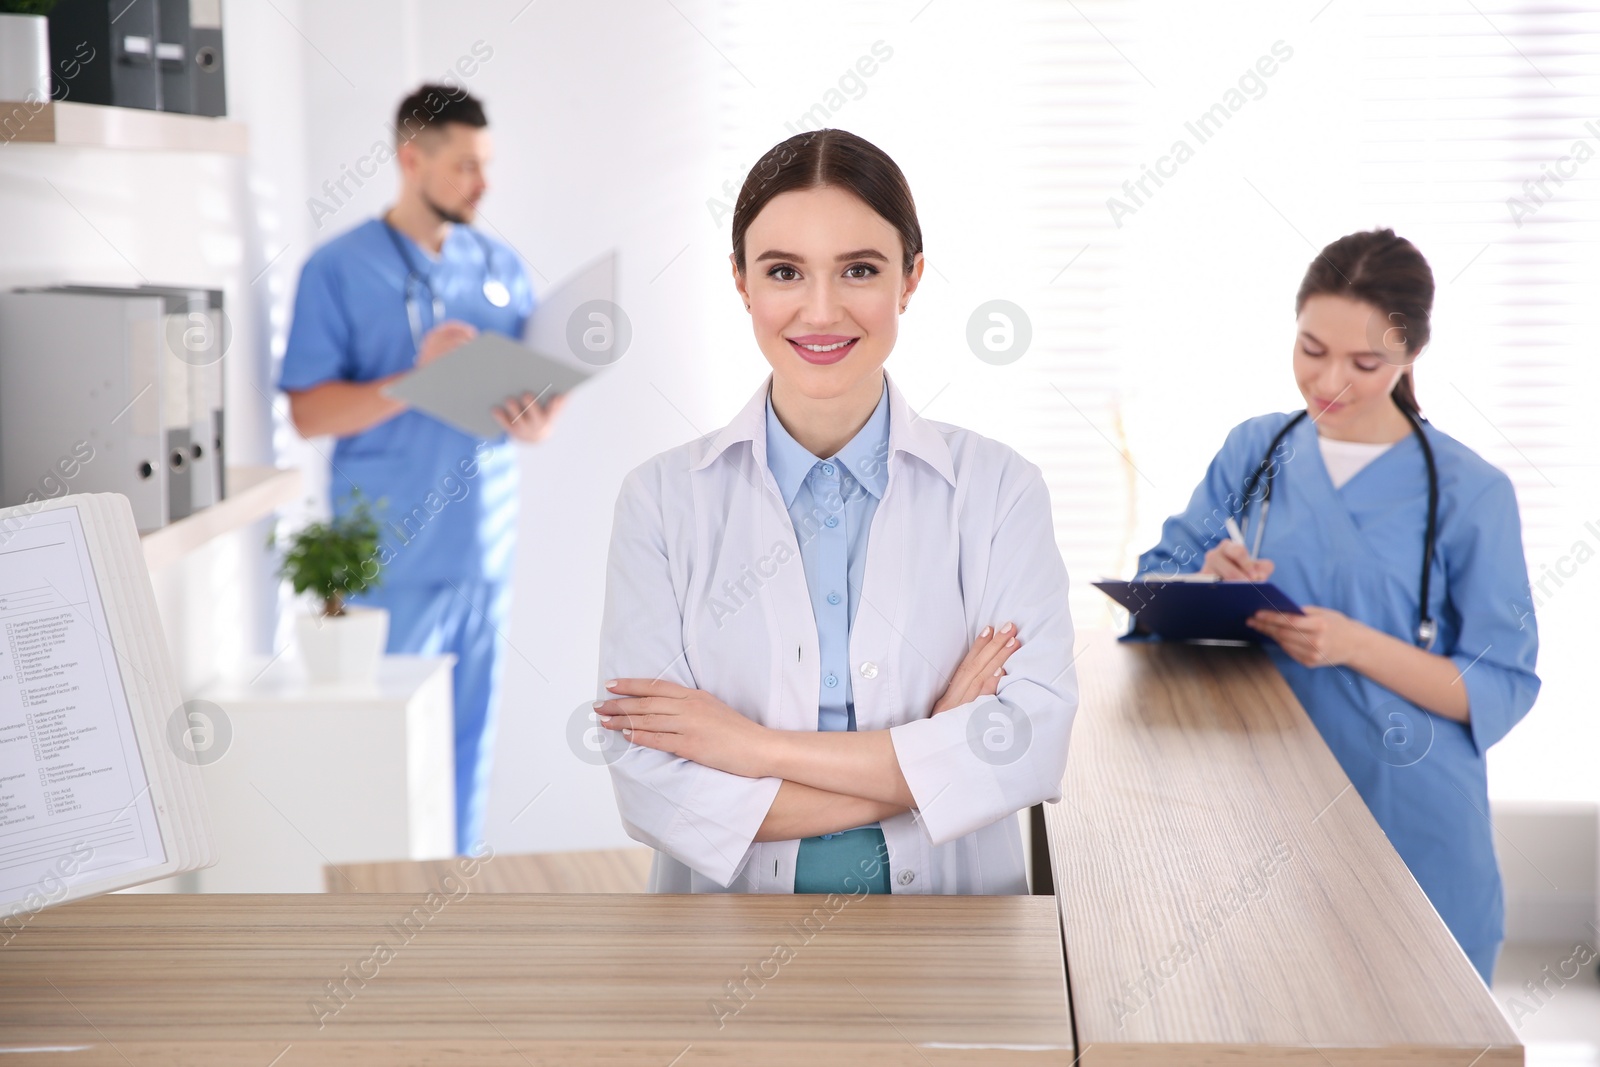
{"x": 908, "y": 432}
{"x": 864, "y": 455}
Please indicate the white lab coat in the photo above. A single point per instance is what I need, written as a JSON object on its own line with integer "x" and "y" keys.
{"x": 705, "y": 587}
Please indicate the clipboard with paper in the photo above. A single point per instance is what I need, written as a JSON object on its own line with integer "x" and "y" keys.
{"x": 1200, "y": 608}
{"x": 576, "y": 331}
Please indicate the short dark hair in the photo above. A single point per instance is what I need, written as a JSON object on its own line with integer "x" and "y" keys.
{"x": 836, "y": 158}
{"x": 434, "y": 106}
{"x": 1380, "y": 268}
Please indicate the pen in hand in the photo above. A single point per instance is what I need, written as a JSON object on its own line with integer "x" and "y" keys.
{"x": 1235, "y": 534}
{"x": 1238, "y": 563}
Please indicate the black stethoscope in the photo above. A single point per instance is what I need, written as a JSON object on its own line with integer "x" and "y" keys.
{"x": 1427, "y": 629}
{"x": 494, "y": 290}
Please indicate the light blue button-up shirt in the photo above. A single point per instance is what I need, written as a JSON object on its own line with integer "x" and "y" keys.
{"x": 831, "y": 502}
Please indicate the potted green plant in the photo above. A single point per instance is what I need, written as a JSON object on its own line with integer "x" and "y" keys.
{"x": 333, "y": 561}
{"x": 25, "y": 51}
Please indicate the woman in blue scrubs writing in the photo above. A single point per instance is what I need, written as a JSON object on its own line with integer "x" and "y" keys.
{"x": 836, "y": 655}
{"x": 1417, "y": 649}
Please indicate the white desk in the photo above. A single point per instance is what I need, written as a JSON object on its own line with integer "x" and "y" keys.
{"x": 316, "y": 774}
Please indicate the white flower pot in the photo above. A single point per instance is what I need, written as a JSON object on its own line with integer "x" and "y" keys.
{"x": 344, "y": 648}
{"x": 24, "y": 58}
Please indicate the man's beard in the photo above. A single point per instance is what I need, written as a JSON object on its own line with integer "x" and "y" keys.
{"x": 448, "y": 216}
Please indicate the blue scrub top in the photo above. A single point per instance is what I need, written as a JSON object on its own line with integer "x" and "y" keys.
{"x": 448, "y": 499}
{"x": 1358, "y": 550}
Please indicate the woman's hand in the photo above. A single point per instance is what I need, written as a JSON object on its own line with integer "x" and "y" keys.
{"x": 1321, "y": 637}
{"x": 980, "y": 672}
{"x": 1231, "y": 561}
{"x": 690, "y": 723}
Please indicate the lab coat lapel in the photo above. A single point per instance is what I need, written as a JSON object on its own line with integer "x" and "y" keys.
{"x": 881, "y": 622}
{"x": 880, "y": 608}
{"x": 795, "y": 683}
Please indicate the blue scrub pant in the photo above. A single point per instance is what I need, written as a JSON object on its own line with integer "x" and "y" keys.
{"x": 465, "y": 618}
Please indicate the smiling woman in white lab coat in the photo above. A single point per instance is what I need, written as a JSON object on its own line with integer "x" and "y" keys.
{"x": 798, "y": 706}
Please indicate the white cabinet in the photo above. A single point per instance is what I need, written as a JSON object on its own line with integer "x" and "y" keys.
{"x": 310, "y": 774}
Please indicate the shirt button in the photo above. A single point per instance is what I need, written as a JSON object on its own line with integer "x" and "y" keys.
{"x": 833, "y": 598}
{"x": 907, "y": 877}
{"x": 827, "y": 468}
{"x": 831, "y": 680}
{"x": 833, "y": 520}
{"x": 869, "y": 669}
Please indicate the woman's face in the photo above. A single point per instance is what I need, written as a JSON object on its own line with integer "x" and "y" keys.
{"x": 1348, "y": 357}
{"x": 825, "y": 287}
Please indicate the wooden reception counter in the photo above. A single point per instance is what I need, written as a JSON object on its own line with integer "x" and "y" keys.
{"x": 511, "y": 980}
{"x": 1226, "y": 897}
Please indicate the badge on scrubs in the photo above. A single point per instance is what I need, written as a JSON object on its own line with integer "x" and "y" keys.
{"x": 496, "y": 292}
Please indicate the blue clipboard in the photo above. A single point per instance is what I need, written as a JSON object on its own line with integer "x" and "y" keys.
{"x": 1199, "y": 611}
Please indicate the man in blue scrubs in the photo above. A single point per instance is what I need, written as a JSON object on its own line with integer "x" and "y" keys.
{"x": 389, "y": 295}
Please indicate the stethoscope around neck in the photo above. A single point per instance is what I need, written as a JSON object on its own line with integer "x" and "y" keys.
{"x": 494, "y": 290}
{"x": 1427, "y": 629}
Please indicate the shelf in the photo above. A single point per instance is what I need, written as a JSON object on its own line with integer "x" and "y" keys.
{"x": 98, "y": 126}
{"x": 253, "y": 493}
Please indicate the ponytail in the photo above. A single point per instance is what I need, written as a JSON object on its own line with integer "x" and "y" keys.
{"x": 1405, "y": 395}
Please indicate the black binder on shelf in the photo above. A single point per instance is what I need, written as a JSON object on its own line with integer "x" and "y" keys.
{"x": 189, "y": 55}
{"x": 205, "y": 56}
{"x": 123, "y": 35}
{"x": 161, "y": 55}
{"x": 173, "y": 67}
